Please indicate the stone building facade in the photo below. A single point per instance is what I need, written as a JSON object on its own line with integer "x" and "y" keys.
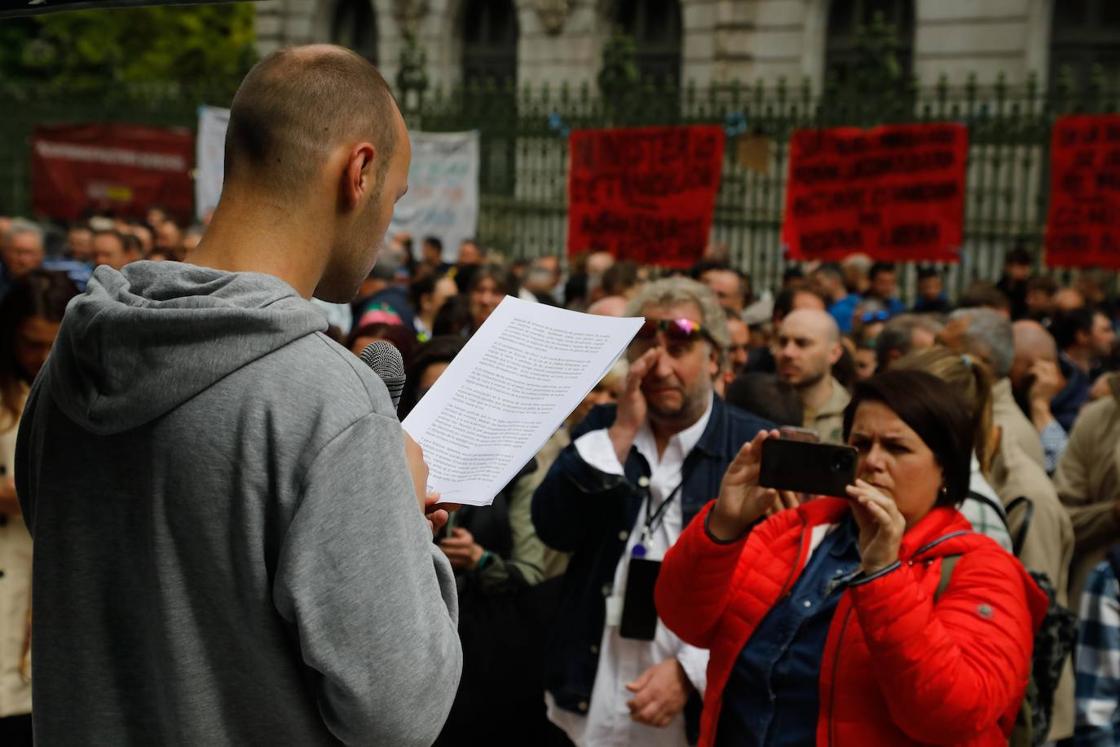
{"x": 533, "y": 41}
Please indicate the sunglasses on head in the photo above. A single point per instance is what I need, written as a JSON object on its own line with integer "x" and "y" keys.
{"x": 675, "y": 330}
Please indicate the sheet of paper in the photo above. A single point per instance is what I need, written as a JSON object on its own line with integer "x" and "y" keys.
{"x": 508, "y": 391}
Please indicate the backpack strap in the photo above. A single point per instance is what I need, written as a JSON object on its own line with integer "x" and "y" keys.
{"x": 1021, "y": 536}
{"x": 994, "y": 505}
{"x": 948, "y": 563}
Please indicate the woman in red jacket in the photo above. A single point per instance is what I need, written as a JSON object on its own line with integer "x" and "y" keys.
{"x": 822, "y": 620}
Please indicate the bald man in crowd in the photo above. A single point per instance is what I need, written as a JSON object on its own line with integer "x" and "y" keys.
{"x": 1040, "y": 388}
{"x": 231, "y": 544}
{"x": 807, "y": 347}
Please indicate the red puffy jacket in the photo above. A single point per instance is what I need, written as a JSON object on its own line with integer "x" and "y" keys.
{"x": 898, "y": 669}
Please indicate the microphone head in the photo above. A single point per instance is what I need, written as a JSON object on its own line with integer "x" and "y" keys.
{"x": 386, "y": 362}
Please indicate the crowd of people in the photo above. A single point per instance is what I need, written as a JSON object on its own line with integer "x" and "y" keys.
{"x": 757, "y": 587}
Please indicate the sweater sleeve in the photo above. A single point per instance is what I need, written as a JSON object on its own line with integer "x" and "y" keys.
{"x": 371, "y": 599}
{"x": 948, "y": 671}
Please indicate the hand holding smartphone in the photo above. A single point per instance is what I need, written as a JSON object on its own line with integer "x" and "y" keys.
{"x": 805, "y": 467}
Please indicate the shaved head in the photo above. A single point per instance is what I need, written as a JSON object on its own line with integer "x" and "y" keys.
{"x": 808, "y": 345}
{"x": 1033, "y": 341}
{"x": 299, "y": 104}
{"x": 818, "y": 323}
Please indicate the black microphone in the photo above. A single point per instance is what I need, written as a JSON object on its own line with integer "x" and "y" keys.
{"x": 386, "y": 362}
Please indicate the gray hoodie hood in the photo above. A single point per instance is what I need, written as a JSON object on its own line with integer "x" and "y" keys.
{"x": 139, "y": 343}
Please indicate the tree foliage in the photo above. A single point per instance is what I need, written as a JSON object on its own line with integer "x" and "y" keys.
{"x": 210, "y": 45}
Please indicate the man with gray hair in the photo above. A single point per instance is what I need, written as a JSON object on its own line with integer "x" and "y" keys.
{"x": 902, "y": 334}
{"x": 21, "y": 250}
{"x": 986, "y": 334}
{"x": 617, "y": 498}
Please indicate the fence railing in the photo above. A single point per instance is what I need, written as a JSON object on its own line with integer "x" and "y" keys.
{"x": 523, "y": 172}
{"x": 524, "y": 155}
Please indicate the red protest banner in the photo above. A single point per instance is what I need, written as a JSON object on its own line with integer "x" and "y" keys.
{"x": 895, "y": 193}
{"x": 646, "y": 194}
{"x": 119, "y": 167}
{"x": 1083, "y": 226}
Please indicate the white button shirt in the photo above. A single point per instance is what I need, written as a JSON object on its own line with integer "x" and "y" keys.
{"x": 622, "y": 660}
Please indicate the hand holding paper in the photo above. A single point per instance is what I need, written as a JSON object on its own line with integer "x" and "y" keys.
{"x": 508, "y": 391}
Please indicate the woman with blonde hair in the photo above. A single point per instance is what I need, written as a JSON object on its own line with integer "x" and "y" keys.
{"x": 968, "y": 376}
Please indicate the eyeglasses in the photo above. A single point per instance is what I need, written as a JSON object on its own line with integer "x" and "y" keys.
{"x": 675, "y": 330}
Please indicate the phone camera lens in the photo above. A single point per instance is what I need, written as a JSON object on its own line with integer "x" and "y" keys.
{"x": 842, "y": 462}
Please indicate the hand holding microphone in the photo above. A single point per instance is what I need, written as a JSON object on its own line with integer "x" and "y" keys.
{"x": 385, "y": 361}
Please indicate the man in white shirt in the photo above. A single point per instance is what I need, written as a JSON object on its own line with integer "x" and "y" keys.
{"x": 617, "y": 499}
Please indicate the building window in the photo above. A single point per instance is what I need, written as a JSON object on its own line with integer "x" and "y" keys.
{"x": 490, "y": 42}
{"x": 1085, "y": 34}
{"x": 851, "y": 20}
{"x": 655, "y": 27}
{"x": 354, "y": 25}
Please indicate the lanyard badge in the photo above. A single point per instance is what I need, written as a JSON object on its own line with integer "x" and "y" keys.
{"x": 639, "y": 614}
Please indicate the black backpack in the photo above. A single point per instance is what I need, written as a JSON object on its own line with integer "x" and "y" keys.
{"x": 1053, "y": 644}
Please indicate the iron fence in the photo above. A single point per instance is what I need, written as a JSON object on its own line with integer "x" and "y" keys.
{"x": 524, "y": 155}
{"x": 523, "y": 175}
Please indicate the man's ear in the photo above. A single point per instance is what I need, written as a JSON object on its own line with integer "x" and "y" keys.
{"x": 835, "y": 353}
{"x": 357, "y": 175}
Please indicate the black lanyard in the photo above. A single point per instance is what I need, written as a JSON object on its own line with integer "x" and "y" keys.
{"x": 654, "y": 520}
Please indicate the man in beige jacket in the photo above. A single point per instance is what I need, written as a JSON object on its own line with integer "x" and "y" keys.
{"x": 1018, "y": 470}
{"x": 807, "y": 348}
{"x": 1045, "y": 545}
{"x": 1088, "y": 483}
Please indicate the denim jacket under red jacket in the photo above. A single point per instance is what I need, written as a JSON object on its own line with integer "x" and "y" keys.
{"x": 898, "y": 668}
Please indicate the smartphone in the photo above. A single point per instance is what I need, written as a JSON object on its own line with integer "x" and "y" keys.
{"x": 799, "y": 434}
{"x": 639, "y": 614}
{"x": 803, "y": 467}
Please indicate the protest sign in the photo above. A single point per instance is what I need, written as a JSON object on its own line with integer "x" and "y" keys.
{"x": 645, "y": 194}
{"x": 210, "y": 149}
{"x": 895, "y": 193}
{"x": 121, "y": 168}
{"x": 442, "y": 197}
{"x": 1083, "y": 225}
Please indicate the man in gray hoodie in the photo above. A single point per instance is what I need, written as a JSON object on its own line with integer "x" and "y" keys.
{"x": 228, "y": 543}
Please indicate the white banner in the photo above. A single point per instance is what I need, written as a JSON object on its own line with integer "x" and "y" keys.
{"x": 209, "y": 158}
{"x": 442, "y": 198}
